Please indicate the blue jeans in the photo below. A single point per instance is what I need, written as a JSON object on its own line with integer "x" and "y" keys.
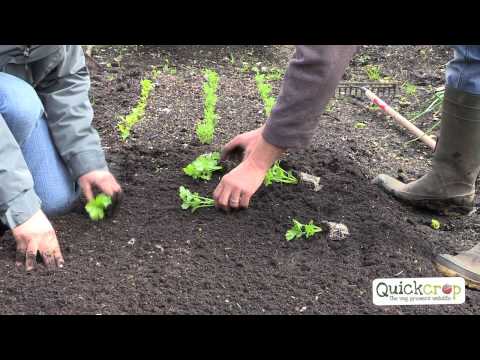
{"x": 463, "y": 72}
{"x": 24, "y": 114}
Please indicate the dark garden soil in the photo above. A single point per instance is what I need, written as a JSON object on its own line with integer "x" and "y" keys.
{"x": 154, "y": 257}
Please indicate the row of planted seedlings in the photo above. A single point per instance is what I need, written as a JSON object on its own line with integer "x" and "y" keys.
{"x": 203, "y": 167}
{"x": 97, "y": 208}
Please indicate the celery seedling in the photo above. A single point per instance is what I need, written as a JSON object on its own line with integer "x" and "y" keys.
{"x": 298, "y": 230}
{"x": 193, "y": 200}
{"x": 97, "y": 206}
{"x": 265, "y": 91}
{"x": 311, "y": 229}
{"x": 295, "y": 231}
{"x": 435, "y": 224}
{"x": 138, "y": 111}
{"x": 373, "y": 72}
{"x": 205, "y": 129}
{"x": 279, "y": 175}
{"x": 203, "y": 166}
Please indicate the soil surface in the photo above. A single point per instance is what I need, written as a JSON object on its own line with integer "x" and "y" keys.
{"x": 154, "y": 257}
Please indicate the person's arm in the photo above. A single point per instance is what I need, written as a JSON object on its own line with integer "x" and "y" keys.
{"x": 310, "y": 81}
{"x": 18, "y": 200}
{"x": 64, "y": 93}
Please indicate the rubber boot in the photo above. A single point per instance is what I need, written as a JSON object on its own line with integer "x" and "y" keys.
{"x": 449, "y": 188}
{"x": 466, "y": 265}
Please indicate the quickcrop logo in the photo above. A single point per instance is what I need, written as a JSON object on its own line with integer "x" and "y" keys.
{"x": 419, "y": 291}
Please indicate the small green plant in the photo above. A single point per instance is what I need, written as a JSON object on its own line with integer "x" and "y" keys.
{"x": 279, "y": 175}
{"x": 166, "y": 69}
{"x": 205, "y": 129}
{"x": 97, "y": 206}
{"x": 275, "y": 74}
{"x": 409, "y": 89}
{"x": 360, "y": 125}
{"x": 298, "y": 230}
{"x": 203, "y": 166}
{"x": 127, "y": 122}
{"x": 330, "y": 107}
{"x": 155, "y": 73}
{"x": 245, "y": 67}
{"x": 265, "y": 91}
{"x": 435, "y": 224}
{"x": 232, "y": 59}
{"x": 373, "y": 72}
{"x": 193, "y": 200}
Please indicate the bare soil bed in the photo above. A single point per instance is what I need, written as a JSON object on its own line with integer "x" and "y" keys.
{"x": 154, "y": 257}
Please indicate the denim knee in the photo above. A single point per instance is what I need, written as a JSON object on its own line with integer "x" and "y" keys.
{"x": 20, "y": 106}
{"x": 60, "y": 201}
{"x": 463, "y": 72}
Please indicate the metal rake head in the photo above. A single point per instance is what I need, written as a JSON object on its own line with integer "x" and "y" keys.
{"x": 355, "y": 89}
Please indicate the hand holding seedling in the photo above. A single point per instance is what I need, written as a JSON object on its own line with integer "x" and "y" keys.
{"x": 238, "y": 186}
{"x": 37, "y": 235}
{"x": 105, "y": 182}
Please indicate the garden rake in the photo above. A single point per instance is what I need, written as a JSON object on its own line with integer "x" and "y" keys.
{"x": 370, "y": 90}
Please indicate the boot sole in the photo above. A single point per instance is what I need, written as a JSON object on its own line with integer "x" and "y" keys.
{"x": 451, "y": 206}
{"x": 457, "y": 205}
{"x": 451, "y": 269}
{"x": 444, "y": 206}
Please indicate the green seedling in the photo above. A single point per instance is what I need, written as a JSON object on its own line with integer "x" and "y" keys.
{"x": 166, "y": 69}
{"x": 373, "y": 72}
{"x": 193, "y": 200}
{"x": 435, "y": 224}
{"x": 409, "y": 89}
{"x": 127, "y": 122}
{"x": 203, "y": 166}
{"x": 295, "y": 232}
{"x": 279, "y": 175}
{"x": 298, "y": 230}
{"x": 205, "y": 129}
{"x": 330, "y": 107}
{"x": 97, "y": 206}
{"x": 265, "y": 91}
{"x": 360, "y": 125}
{"x": 232, "y": 59}
{"x": 275, "y": 74}
{"x": 155, "y": 73}
{"x": 245, "y": 67}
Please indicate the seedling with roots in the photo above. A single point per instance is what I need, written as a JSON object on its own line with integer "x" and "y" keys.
{"x": 97, "y": 206}
{"x": 298, "y": 230}
{"x": 193, "y": 200}
{"x": 203, "y": 166}
{"x": 279, "y": 175}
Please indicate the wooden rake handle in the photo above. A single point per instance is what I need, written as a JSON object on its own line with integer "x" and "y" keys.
{"x": 400, "y": 119}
